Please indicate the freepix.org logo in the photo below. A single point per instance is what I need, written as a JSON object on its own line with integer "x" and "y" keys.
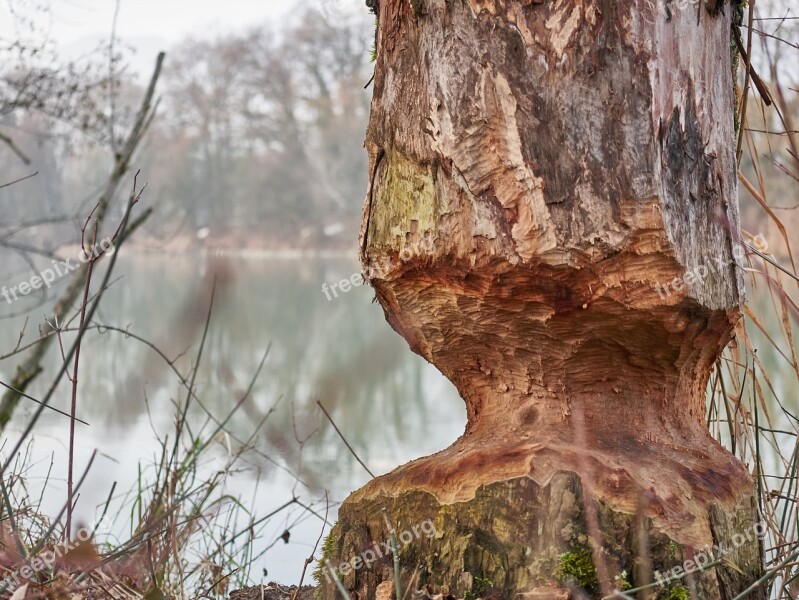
{"x": 379, "y": 269}
{"x": 46, "y": 560}
{"x": 368, "y": 557}
{"x": 55, "y": 271}
{"x": 335, "y": 9}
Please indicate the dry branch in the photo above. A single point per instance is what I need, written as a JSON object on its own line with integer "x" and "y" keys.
{"x": 31, "y": 366}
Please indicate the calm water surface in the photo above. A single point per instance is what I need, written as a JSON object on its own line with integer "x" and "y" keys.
{"x": 391, "y": 405}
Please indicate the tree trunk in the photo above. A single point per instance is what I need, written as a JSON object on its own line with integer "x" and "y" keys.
{"x": 554, "y": 186}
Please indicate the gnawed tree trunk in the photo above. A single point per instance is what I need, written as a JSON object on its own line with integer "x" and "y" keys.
{"x": 566, "y": 160}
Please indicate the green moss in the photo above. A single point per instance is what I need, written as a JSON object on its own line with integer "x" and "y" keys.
{"x": 373, "y": 52}
{"x": 578, "y": 568}
{"x": 738, "y": 7}
{"x": 329, "y": 547}
{"x": 621, "y": 582}
{"x": 678, "y": 592}
{"x": 673, "y": 551}
{"x": 404, "y": 201}
{"x": 481, "y": 586}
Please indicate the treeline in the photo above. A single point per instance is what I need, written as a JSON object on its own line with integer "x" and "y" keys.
{"x": 259, "y": 136}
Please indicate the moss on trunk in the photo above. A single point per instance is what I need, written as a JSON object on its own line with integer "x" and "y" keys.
{"x": 533, "y": 540}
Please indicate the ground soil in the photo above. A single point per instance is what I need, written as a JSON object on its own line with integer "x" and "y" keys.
{"x": 272, "y": 591}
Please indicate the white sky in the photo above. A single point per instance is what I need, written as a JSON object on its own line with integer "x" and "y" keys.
{"x": 148, "y": 26}
{"x": 170, "y": 20}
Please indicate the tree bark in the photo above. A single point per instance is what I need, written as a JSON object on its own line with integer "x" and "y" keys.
{"x": 553, "y": 185}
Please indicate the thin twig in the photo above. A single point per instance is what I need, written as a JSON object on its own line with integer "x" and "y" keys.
{"x": 32, "y": 399}
{"x": 74, "y": 403}
{"x": 310, "y": 558}
{"x": 747, "y": 77}
{"x": 34, "y": 174}
{"x": 14, "y": 148}
{"x": 343, "y": 439}
{"x": 395, "y": 551}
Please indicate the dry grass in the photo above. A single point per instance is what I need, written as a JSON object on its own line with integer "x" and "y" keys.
{"x": 752, "y": 402}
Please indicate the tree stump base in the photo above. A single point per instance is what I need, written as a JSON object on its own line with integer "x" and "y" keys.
{"x": 519, "y": 539}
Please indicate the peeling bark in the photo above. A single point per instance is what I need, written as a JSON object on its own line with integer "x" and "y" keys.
{"x": 568, "y": 159}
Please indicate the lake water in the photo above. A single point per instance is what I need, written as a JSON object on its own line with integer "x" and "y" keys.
{"x": 391, "y": 405}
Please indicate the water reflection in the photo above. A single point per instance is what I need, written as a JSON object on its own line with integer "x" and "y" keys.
{"x": 392, "y": 406}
